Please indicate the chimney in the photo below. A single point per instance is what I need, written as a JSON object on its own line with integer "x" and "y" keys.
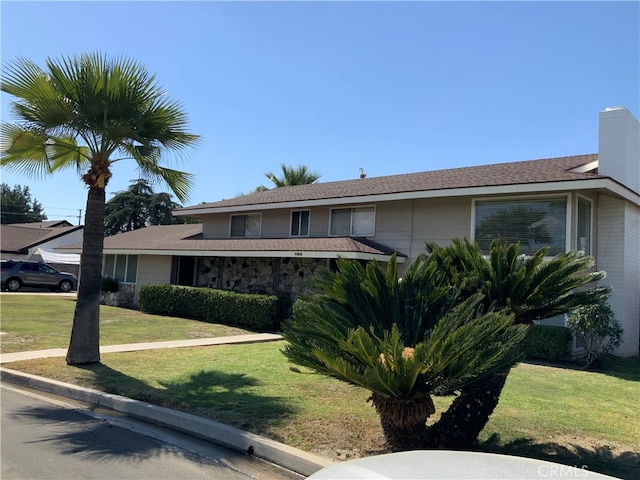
{"x": 619, "y": 150}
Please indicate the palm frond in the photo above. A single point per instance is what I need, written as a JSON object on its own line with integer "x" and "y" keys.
{"x": 33, "y": 152}
{"x": 532, "y": 287}
{"x": 399, "y": 339}
{"x": 108, "y": 105}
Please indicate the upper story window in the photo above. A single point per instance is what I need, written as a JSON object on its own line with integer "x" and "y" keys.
{"x": 583, "y": 230}
{"x": 300, "y": 223}
{"x": 123, "y": 268}
{"x": 243, "y": 226}
{"x": 352, "y": 221}
{"x": 534, "y": 222}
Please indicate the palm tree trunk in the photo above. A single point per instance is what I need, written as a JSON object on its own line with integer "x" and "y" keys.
{"x": 458, "y": 428}
{"x": 403, "y": 423}
{"x": 84, "y": 346}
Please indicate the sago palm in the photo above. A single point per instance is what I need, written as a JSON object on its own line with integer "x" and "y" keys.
{"x": 86, "y": 113}
{"x": 528, "y": 287}
{"x": 402, "y": 339}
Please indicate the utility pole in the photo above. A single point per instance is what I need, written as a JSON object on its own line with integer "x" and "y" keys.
{"x": 79, "y": 216}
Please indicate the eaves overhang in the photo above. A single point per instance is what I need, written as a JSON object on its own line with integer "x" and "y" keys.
{"x": 254, "y": 253}
{"x": 601, "y": 183}
{"x": 22, "y": 251}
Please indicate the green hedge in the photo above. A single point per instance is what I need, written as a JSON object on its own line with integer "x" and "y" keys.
{"x": 547, "y": 343}
{"x": 245, "y": 310}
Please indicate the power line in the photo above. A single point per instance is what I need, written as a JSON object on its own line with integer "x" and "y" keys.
{"x": 58, "y": 208}
{"x": 31, "y": 214}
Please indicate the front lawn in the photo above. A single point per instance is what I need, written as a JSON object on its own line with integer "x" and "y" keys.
{"x": 38, "y": 322}
{"x": 567, "y": 415}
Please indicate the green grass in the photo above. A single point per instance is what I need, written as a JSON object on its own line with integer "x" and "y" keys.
{"x": 571, "y": 416}
{"x": 31, "y": 322}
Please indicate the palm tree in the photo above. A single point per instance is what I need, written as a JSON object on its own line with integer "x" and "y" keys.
{"x": 86, "y": 113}
{"x": 528, "y": 287}
{"x": 403, "y": 340}
{"x": 299, "y": 175}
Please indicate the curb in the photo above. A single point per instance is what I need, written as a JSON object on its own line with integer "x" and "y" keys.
{"x": 216, "y": 432}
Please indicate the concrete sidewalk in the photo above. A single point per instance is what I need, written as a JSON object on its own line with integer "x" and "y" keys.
{"x": 132, "y": 347}
{"x": 288, "y": 457}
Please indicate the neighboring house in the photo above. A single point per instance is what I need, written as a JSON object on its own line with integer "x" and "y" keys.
{"x": 273, "y": 241}
{"x": 33, "y": 241}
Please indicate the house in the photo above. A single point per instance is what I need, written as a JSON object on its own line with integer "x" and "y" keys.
{"x": 273, "y": 241}
{"x": 37, "y": 240}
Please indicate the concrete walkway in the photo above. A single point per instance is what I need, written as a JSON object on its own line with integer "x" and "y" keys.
{"x": 132, "y": 347}
{"x": 288, "y": 457}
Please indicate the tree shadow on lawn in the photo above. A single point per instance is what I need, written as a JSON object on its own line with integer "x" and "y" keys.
{"x": 212, "y": 394}
{"x": 622, "y": 368}
{"x": 600, "y": 459}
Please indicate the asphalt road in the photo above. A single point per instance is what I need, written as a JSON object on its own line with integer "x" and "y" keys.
{"x": 47, "y": 438}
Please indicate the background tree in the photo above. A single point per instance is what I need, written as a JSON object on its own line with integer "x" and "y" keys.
{"x": 299, "y": 175}
{"x": 402, "y": 340}
{"x": 87, "y": 112}
{"x": 139, "y": 206}
{"x": 18, "y": 206}
{"x": 528, "y": 287}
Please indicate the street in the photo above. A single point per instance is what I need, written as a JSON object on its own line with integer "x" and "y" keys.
{"x": 47, "y": 438}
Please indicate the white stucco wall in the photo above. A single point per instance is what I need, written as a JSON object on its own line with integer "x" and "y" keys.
{"x": 618, "y": 253}
{"x": 153, "y": 269}
{"x": 438, "y": 220}
{"x": 619, "y": 147}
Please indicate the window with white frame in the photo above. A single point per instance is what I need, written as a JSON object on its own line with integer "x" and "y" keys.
{"x": 352, "y": 221}
{"x": 300, "y": 223}
{"x": 535, "y": 222}
{"x": 583, "y": 230}
{"x": 243, "y": 226}
{"x": 123, "y": 268}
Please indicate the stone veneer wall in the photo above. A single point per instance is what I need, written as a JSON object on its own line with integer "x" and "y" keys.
{"x": 125, "y": 297}
{"x": 269, "y": 275}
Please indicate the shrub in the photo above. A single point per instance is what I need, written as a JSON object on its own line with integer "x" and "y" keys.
{"x": 547, "y": 343}
{"x": 599, "y": 331}
{"x": 246, "y": 310}
{"x": 109, "y": 285}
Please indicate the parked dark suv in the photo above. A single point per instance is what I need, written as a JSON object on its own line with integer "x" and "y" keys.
{"x": 17, "y": 274}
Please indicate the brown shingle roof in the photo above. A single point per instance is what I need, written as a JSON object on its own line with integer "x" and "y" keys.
{"x": 45, "y": 224}
{"x": 514, "y": 173}
{"x": 15, "y": 238}
{"x": 188, "y": 238}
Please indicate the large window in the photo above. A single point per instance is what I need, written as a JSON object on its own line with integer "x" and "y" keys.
{"x": 583, "y": 231}
{"x": 245, "y": 225}
{"x": 300, "y": 223}
{"x": 534, "y": 222}
{"x": 123, "y": 268}
{"x": 352, "y": 221}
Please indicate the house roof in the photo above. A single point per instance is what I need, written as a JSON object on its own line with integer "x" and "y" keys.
{"x": 188, "y": 240}
{"x": 543, "y": 171}
{"x": 532, "y": 175}
{"x": 46, "y": 224}
{"x": 19, "y": 237}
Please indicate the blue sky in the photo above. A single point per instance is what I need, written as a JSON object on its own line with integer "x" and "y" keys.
{"x": 390, "y": 87}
